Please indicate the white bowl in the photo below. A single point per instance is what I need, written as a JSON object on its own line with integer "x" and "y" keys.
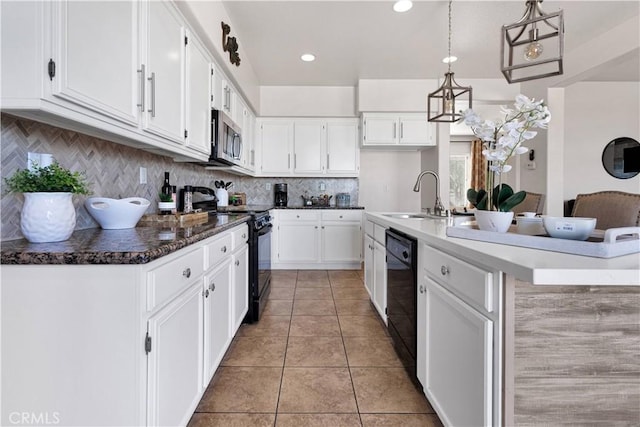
{"x": 115, "y": 214}
{"x": 573, "y": 228}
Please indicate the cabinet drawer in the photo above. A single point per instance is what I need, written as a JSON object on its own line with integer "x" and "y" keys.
{"x": 342, "y": 215}
{"x": 169, "y": 279}
{"x": 299, "y": 215}
{"x": 368, "y": 227}
{"x": 219, "y": 249}
{"x": 469, "y": 282}
{"x": 240, "y": 236}
{"x": 379, "y": 233}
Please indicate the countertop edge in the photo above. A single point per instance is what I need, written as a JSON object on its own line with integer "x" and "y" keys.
{"x": 534, "y": 266}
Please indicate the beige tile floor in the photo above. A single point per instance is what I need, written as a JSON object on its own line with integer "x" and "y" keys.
{"x": 319, "y": 357}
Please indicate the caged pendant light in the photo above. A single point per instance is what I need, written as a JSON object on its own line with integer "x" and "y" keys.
{"x": 532, "y": 48}
{"x": 444, "y": 99}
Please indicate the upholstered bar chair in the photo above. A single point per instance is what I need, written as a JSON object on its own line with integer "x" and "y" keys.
{"x": 533, "y": 202}
{"x": 611, "y": 208}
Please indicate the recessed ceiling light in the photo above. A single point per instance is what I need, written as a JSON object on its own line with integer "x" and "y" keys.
{"x": 402, "y": 5}
{"x": 449, "y": 59}
{"x": 307, "y": 57}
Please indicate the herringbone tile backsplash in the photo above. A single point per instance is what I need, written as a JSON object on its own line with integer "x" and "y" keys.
{"x": 113, "y": 171}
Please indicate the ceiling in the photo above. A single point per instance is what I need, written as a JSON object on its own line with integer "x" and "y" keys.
{"x": 355, "y": 40}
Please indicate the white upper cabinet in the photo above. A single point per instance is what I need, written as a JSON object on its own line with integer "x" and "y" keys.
{"x": 199, "y": 71}
{"x": 95, "y": 63}
{"x": 312, "y": 147}
{"x": 229, "y": 102}
{"x": 343, "y": 153}
{"x": 397, "y": 130}
{"x": 276, "y": 139}
{"x": 165, "y": 58}
{"x": 309, "y": 147}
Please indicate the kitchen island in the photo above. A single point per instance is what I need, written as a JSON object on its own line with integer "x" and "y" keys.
{"x": 516, "y": 336}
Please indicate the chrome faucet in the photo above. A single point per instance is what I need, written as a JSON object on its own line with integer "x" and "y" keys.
{"x": 438, "y": 209}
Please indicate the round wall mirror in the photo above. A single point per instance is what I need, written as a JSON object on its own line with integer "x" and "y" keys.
{"x": 621, "y": 158}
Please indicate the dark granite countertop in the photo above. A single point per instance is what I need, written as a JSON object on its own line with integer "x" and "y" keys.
{"x": 317, "y": 207}
{"x": 138, "y": 245}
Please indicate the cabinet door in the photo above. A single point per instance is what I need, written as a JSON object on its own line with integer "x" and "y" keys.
{"x": 248, "y": 139}
{"x": 380, "y": 130}
{"x": 421, "y": 329}
{"x": 341, "y": 241}
{"x": 198, "y": 97}
{"x": 229, "y": 100}
{"x": 216, "y": 91}
{"x": 380, "y": 279}
{"x": 174, "y": 369}
{"x": 97, "y": 56}
{"x": 217, "y": 317}
{"x": 415, "y": 130}
{"x": 275, "y": 138}
{"x": 298, "y": 242}
{"x": 165, "y": 37}
{"x": 308, "y": 146}
{"x": 240, "y": 287}
{"x": 343, "y": 153}
{"x": 368, "y": 264}
{"x": 459, "y": 359}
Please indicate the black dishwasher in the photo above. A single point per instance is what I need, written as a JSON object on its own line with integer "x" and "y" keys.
{"x": 402, "y": 252}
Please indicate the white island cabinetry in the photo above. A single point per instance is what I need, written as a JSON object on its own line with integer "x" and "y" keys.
{"x": 146, "y": 338}
{"x": 375, "y": 267}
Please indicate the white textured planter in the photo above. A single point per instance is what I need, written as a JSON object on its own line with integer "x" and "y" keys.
{"x": 493, "y": 220}
{"x": 47, "y": 217}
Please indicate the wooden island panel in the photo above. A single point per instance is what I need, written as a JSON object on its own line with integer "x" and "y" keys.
{"x": 572, "y": 355}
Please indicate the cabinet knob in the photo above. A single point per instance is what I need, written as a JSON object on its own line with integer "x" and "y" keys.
{"x": 206, "y": 293}
{"x": 224, "y": 249}
{"x": 237, "y": 262}
{"x": 422, "y": 289}
{"x": 187, "y": 272}
{"x": 244, "y": 235}
{"x": 340, "y": 216}
{"x": 212, "y": 286}
{"x": 444, "y": 270}
{"x": 297, "y": 216}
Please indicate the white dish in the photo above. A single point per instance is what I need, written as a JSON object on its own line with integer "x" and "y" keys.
{"x": 115, "y": 214}
{"x": 573, "y": 228}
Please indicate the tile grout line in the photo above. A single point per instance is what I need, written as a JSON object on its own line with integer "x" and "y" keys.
{"x": 284, "y": 359}
{"x": 346, "y": 356}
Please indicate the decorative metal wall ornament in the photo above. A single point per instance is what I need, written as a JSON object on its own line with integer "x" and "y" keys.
{"x": 533, "y": 47}
{"x": 448, "y": 94}
{"x": 230, "y": 44}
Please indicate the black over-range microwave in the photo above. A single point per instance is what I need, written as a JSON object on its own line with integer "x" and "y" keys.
{"x": 226, "y": 141}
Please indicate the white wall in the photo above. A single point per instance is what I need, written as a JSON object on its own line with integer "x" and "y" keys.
{"x": 596, "y": 113}
{"x": 307, "y": 101}
{"x": 387, "y": 179}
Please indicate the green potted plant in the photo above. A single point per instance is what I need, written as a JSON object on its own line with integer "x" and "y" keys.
{"x": 501, "y": 140}
{"x": 48, "y": 214}
{"x": 166, "y": 205}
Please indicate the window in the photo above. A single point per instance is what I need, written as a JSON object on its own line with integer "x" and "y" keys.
{"x": 460, "y": 173}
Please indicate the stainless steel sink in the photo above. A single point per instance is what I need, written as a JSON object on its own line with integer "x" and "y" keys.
{"x": 407, "y": 215}
{"x": 414, "y": 216}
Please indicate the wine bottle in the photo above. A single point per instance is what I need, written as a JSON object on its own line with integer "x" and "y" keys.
{"x": 166, "y": 187}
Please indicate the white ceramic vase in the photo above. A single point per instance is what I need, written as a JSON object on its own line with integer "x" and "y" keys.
{"x": 493, "y": 220}
{"x": 47, "y": 217}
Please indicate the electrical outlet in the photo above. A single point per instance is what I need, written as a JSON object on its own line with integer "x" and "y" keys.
{"x": 40, "y": 159}
{"x": 268, "y": 186}
{"x": 531, "y": 165}
{"x": 322, "y": 186}
{"x": 143, "y": 175}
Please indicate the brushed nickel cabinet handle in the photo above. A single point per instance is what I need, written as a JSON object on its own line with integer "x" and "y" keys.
{"x": 444, "y": 270}
{"x": 187, "y": 272}
{"x": 224, "y": 249}
{"x": 152, "y": 79}
{"x": 237, "y": 262}
{"x": 212, "y": 287}
{"x": 141, "y": 71}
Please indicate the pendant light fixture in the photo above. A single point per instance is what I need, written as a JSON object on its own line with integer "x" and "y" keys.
{"x": 444, "y": 99}
{"x": 532, "y": 48}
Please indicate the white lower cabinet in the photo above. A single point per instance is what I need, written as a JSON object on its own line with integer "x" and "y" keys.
{"x": 375, "y": 267}
{"x": 317, "y": 238}
{"x": 174, "y": 375}
{"x": 217, "y": 317}
{"x": 459, "y": 335}
{"x": 144, "y": 338}
{"x": 459, "y": 359}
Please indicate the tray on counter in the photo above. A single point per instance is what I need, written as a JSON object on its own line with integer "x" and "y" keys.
{"x": 601, "y": 244}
